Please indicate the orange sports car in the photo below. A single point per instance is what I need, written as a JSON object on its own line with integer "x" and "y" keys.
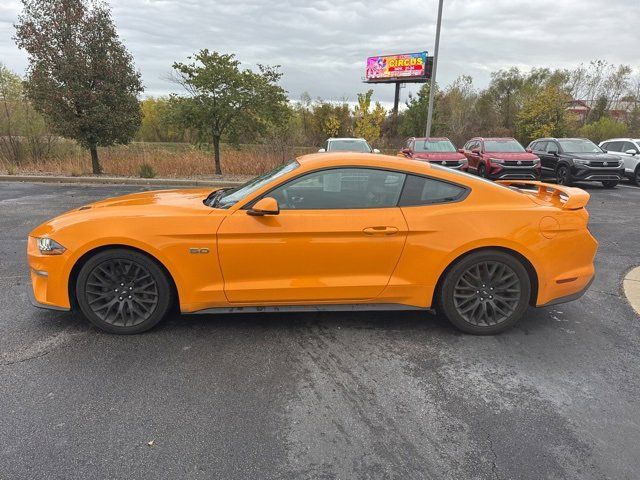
{"x": 343, "y": 231}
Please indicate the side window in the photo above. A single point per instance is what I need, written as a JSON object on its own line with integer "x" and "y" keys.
{"x": 426, "y": 191}
{"x": 540, "y": 146}
{"x": 552, "y": 147}
{"x": 614, "y": 146}
{"x": 341, "y": 188}
{"x": 628, "y": 146}
{"x": 467, "y": 146}
{"x": 605, "y": 146}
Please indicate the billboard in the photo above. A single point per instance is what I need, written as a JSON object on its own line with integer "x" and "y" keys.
{"x": 397, "y": 68}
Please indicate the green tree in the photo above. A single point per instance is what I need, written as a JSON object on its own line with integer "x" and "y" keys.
{"x": 80, "y": 75}
{"x": 368, "y": 122}
{"x": 602, "y": 129}
{"x": 413, "y": 120}
{"x": 543, "y": 115}
{"x": 599, "y": 109}
{"x": 225, "y": 100}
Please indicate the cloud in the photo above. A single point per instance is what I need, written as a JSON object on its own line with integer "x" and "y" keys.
{"x": 322, "y": 45}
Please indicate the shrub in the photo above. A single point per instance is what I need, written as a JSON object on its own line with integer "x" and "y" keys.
{"x": 145, "y": 170}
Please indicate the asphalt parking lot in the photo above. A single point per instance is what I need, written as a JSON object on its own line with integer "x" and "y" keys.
{"x": 323, "y": 395}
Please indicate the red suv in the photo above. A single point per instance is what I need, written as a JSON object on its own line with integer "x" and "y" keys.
{"x": 501, "y": 158}
{"x": 436, "y": 150}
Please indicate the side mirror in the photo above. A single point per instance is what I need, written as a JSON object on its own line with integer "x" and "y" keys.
{"x": 375, "y": 150}
{"x": 322, "y": 150}
{"x": 264, "y": 206}
{"x": 631, "y": 151}
{"x": 476, "y": 151}
{"x": 461, "y": 150}
{"x": 528, "y": 150}
{"x": 552, "y": 152}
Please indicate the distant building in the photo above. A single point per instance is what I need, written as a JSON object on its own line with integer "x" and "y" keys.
{"x": 618, "y": 110}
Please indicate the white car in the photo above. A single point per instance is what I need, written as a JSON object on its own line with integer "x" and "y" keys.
{"x": 348, "y": 145}
{"x": 629, "y": 151}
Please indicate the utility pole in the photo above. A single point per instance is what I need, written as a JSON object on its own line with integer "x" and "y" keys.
{"x": 433, "y": 71}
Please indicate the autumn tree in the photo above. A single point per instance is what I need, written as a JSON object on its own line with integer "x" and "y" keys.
{"x": 368, "y": 121}
{"x": 603, "y": 128}
{"x": 224, "y": 99}
{"x": 413, "y": 120}
{"x": 543, "y": 115}
{"x": 80, "y": 75}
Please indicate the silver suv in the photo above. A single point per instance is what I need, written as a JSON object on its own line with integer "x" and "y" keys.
{"x": 348, "y": 145}
{"x": 628, "y": 149}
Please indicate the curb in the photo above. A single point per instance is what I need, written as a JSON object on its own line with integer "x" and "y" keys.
{"x": 118, "y": 181}
{"x": 631, "y": 284}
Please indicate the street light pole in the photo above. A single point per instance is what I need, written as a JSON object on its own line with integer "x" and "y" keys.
{"x": 433, "y": 70}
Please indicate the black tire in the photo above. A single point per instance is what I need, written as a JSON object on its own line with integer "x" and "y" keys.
{"x": 636, "y": 176}
{"x": 123, "y": 291}
{"x": 482, "y": 170}
{"x": 609, "y": 183}
{"x": 493, "y": 308}
{"x": 563, "y": 176}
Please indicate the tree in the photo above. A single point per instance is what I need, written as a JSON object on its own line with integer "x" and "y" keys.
{"x": 225, "y": 100}
{"x": 602, "y": 129}
{"x": 457, "y": 105}
{"x": 414, "y": 118}
{"x": 543, "y": 115}
{"x": 80, "y": 75}
{"x": 368, "y": 122}
{"x": 599, "y": 109}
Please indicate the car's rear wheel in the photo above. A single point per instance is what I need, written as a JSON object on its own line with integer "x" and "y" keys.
{"x": 563, "y": 176}
{"x": 123, "y": 291}
{"x": 636, "y": 176}
{"x": 609, "y": 183}
{"x": 486, "y": 292}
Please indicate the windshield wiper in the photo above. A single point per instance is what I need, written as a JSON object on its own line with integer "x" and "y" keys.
{"x": 214, "y": 197}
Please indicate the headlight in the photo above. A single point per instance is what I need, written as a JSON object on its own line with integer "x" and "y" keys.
{"x": 496, "y": 160}
{"x": 580, "y": 161}
{"x": 48, "y": 246}
{"x": 536, "y": 161}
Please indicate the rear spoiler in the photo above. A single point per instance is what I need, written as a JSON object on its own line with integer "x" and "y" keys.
{"x": 568, "y": 198}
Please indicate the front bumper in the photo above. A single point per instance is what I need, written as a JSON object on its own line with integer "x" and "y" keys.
{"x": 37, "y": 304}
{"x": 501, "y": 172}
{"x": 49, "y": 278}
{"x": 585, "y": 173}
{"x": 454, "y": 164}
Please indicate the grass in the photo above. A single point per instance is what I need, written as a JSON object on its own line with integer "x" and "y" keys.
{"x": 171, "y": 160}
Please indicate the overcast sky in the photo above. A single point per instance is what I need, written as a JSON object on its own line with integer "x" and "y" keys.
{"x": 322, "y": 45}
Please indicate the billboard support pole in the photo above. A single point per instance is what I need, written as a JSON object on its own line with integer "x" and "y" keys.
{"x": 396, "y": 101}
{"x": 433, "y": 71}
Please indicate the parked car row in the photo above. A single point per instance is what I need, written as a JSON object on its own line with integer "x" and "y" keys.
{"x": 565, "y": 160}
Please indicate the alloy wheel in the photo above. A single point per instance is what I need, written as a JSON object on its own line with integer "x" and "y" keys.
{"x": 121, "y": 292}
{"x": 487, "y": 293}
{"x": 562, "y": 175}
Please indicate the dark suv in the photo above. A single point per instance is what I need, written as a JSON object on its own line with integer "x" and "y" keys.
{"x": 570, "y": 160}
{"x": 500, "y": 158}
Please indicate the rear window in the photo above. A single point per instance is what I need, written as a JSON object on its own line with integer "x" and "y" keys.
{"x": 426, "y": 191}
{"x": 349, "y": 146}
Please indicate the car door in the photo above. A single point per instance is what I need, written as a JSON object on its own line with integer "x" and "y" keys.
{"x": 539, "y": 149}
{"x": 337, "y": 238}
{"x": 472, "y": 158}
{"x": 549, "y": 161}
{"x": 630, "y": 160}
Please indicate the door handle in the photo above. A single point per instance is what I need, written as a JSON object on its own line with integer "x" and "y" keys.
{"x": 383, "y": 230}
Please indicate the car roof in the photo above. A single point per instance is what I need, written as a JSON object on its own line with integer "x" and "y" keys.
{"x": 347, "y": 138}
{"x": 431, "y": 138}
{"x": 497, "y": 139}
{"x": 621, "y": 140}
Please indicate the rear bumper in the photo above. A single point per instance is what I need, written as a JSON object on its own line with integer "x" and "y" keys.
{"x": 571, "y": 297}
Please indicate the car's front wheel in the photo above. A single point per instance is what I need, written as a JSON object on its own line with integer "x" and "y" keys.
{"x": 563, "y": 176}
{"x": 485, "y": 293}
{"x": 482, "y": 170}
{"x": 122, "y": 291}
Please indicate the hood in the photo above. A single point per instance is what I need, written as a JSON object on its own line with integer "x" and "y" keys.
{"x": 602, "y": 157}
{"x": 136, "y": 205}
{"x": 167, "y": 198}
{"x": 512, "y": 155}
{"x": 438, "y": 156}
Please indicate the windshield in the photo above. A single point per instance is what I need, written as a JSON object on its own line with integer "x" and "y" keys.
{"x": 503, "y": 146}
{"x": 349, "y": 146}
{"x": 230, "y": 197}
{"x": 423, "y": 146}
{"x": 578, "y": 145}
